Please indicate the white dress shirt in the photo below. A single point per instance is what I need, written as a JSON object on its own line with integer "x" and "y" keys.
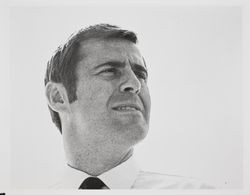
{"x": 128, "y": 176}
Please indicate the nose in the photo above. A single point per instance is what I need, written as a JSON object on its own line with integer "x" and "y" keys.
{"x": 131, "y": 83}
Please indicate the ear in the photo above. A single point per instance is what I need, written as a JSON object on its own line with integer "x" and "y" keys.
{"x": 57, "y": 97}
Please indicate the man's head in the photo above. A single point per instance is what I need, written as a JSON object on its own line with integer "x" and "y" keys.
{"x": 96, "y": 86}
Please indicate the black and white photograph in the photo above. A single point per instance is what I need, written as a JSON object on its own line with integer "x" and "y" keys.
{"x": 125, "y": 96}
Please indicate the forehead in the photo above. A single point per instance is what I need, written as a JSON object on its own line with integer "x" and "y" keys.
{"x": 96, "y": 51}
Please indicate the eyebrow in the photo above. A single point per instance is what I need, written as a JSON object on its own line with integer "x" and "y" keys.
{"x": 119, "y": 64}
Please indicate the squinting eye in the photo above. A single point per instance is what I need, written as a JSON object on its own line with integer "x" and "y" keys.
{"x": 108, "y": 70}
{"x": 141, "y": 75}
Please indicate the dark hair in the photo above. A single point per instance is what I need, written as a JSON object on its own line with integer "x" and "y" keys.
{"x": 62, "y": 65}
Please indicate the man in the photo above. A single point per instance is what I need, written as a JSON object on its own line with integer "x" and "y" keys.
{"x": 96, "y": 86}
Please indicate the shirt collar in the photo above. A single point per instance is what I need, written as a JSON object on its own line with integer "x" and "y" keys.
{"x": 122, "y": 176}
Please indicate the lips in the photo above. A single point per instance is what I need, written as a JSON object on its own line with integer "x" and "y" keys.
{"x": 127, "y": 107}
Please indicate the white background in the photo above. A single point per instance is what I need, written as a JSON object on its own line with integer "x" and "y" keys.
{"x": 194, "y": 60}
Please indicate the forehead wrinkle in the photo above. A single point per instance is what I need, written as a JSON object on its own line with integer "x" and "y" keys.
{"x": 120, "y": 53}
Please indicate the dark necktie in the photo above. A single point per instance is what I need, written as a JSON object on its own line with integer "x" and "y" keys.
{"x": 92, "y": 183}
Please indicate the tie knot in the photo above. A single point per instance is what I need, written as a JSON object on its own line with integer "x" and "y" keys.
{"x": 92, "y": 183}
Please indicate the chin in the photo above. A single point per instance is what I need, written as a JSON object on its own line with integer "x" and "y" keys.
{"x": 133, "y": 134}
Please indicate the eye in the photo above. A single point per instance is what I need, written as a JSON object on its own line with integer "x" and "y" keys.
{"x": 141, "y": 75}
{"x": 109, "y": 71}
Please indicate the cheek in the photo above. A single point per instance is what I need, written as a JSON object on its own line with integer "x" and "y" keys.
{"x": 94, "y": 94}
{"x": 145, "y": 95}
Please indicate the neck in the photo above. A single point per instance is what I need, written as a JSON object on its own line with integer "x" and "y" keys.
{"x": 95, "y": 163}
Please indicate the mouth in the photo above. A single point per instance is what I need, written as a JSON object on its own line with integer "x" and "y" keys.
{"x": 127, "y": 108}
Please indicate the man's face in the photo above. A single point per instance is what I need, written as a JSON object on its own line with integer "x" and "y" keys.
{"x": 113, "y": 101}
